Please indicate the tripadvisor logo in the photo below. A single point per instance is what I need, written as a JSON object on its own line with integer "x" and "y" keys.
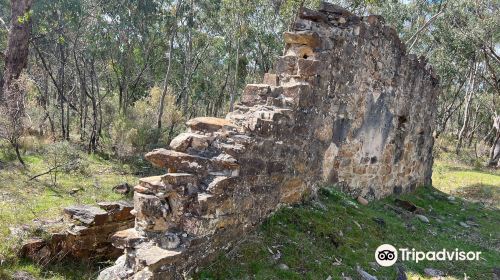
{"x": 387, "y": 255}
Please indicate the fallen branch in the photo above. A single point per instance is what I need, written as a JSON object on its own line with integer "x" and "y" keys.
{"x": 48, "y": 171}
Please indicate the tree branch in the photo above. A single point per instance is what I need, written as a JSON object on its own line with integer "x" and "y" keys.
{"x": 414, "y": 37}
{"x": 4, "y": 25}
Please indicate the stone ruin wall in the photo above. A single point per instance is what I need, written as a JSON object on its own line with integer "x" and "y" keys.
{"x": 346, "y": 107}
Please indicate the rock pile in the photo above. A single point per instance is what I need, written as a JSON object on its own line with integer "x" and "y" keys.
{"x": 346, "y": 106}
{"x": 84, "y": 234}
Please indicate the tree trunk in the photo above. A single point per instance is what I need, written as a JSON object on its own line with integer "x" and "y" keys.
{"x": 16, "y": 55}
{"x": 466, "y": 117}
{"x": 495, "y": 147}
{"x": 235, "y": 83}
{"x": 161, "y": 107}
{"x": 16, "y": 59}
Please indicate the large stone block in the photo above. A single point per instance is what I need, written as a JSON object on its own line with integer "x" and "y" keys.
{"x": 307, "y": 38}
{"x": 255, "y": 94}
{"x": 209, "y": 124}
{"x": 308, "y": 67}
{"x": 286, "y": 65}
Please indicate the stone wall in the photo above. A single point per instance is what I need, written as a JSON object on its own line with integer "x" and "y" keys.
{"x": 346, "y": 106}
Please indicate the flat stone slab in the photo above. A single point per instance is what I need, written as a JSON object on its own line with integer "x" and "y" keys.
{"x": 152, "y": 183}
{"x": 178, "y": 179}
{"x": 87, "y": 214}
{"x": 176, "y": 160}
{"x": 208, "y": 124}
{"x": 154, "y": 256}
{"x": 186, "y": 140}
{"x": 127, "y": 238}
{"x": 307, "y": 38}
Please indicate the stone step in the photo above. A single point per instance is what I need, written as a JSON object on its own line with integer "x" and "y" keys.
{"x": 179, "y": 179}
{"x": 234, "y": 149}
{"x": 299, "y": 94}
{"x": 254, "y": 94}
{"x": 86, "y": 214}
{"x": 187, "y": 140}
{"x": 221, "y": 185}
{"x": 201, "y": 166}
{"x": 224, "y": 165}
{"x": 118, "y": 210}
{"x": 155, "y": 257}
{"x": 210, "y": 124}
{"x": 152, "y": 184}
{"x": 128, "y": 238}
{"x": 177, "y": 161}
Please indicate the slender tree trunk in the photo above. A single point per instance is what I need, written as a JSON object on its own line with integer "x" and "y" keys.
{"x": 161, "y": 106}
{"x": 466, "y": 118}
{"x": 495, "y": 147}
{"x": 235, "y": 82}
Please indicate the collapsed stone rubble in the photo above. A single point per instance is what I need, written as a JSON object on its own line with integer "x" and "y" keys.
{"x": 83, "y": 234}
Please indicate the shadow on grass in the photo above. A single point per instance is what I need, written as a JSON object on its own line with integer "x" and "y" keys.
{"x": 486, "y": 194}
{"x": 66, "y": 269}
{"x": 303, "y": 237}
{"x": 482, "y": 170}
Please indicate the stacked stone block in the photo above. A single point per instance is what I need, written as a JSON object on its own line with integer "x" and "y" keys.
{"x": 346, "y": 107}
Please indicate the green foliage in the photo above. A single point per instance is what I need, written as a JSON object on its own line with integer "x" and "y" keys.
{"x": 85, "y": 179}
{"x": 133, "y": 134}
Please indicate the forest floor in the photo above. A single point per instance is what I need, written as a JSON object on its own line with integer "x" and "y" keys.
{"x": 83, "y": 179}
{"x": 326, "y": 237}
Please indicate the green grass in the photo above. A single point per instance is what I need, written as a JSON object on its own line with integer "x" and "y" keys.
{"x": 22, "y": 200}
{"x": 322, "y": 238}
{"x": 475, "y": 184}
{"x": 331, "y": 236}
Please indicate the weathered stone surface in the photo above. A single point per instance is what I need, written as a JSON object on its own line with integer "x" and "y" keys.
{"x": 154, "y": 257}
{"x": 184, "y": 141}
{"x": 347, "y": 107}
{"x": 286, "y": 65}
{"x": 270, "y": 79}
{"x": 208, "y": 124}
{"x": 177, "y": 161}
{"x": 309, "y": 14}
{"x": 127, "y": 238}
{"x": 308, "y": 67}
{"x": 255, "y": 94}
{"x": 86, "y": 214}
{"x": 151, "y": 212}
{"x": 84, "y": 235}
{"x": 307, "y": 38}
{"x": 333, "y": 8}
